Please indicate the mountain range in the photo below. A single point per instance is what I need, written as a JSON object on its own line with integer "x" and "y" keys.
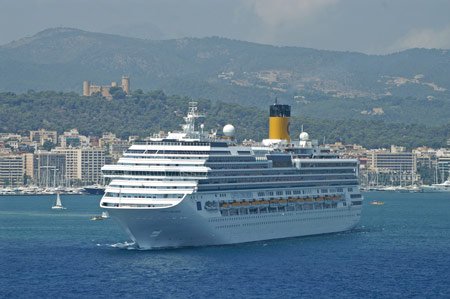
{"x": 412, "y": 86}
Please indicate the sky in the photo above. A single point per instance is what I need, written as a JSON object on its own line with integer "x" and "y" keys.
{"x": 368, "y": 26}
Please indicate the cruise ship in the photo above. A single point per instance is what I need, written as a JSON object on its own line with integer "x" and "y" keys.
{"x": 192, "y": 188}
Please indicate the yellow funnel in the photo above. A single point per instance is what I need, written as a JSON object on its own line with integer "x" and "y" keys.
{"x": 279, "y": 122}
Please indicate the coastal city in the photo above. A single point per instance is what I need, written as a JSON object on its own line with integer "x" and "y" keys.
{"x": 229, "y": 149}
{"x": 45, "y": 162}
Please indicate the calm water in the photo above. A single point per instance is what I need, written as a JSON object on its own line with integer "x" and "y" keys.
{"x": 401, "y": 249}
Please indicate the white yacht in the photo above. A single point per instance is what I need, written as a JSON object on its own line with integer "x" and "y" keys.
{"x": 443, "y": 187}
{"x": 192, "y": 189}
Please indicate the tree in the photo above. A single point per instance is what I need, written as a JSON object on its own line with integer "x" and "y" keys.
{"x": 143, "y": 114}
{"x": 48, "y": 145}
{"x": 117, "y": 93}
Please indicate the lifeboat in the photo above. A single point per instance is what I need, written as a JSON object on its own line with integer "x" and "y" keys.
{"x": 255, "y": 203}
{"x": 235, "y": 204}
{"x": 264, "y": 203}
{"x": 282, "y": 202}
{"x": 308, "y": 199}
{"x": 224, "y": 205}
{"x": 300, "y": 200}
{"x": 291, "y": 201}
{"x": 245, "y": 203}
{"x": 335, "y": 197}
{"x": 319, "y": 198}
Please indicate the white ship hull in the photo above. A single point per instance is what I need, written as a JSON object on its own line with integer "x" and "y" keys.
{"x": 183, "y": 225}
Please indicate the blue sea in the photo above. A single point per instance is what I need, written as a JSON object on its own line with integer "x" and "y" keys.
{"x": 399, "y": 250}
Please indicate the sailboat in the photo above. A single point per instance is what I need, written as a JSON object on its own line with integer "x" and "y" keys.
{"x": 58, "y": 205}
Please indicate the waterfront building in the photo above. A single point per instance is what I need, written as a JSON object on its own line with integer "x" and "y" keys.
{"x": 11, "y": 170}
{"x": 28, "y": 165}
{"x": 383, "y": 161}
{"x": 397, "y": 167}
{"x": 83, "y": 164}
{"x": 443, "y": 165}
{"x": 50, "y": 168}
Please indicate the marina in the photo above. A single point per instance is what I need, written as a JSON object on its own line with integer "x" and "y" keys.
{"x": 35, "y": 190}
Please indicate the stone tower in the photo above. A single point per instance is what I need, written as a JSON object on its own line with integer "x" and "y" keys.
{"x": 126, "y": 84}
{"x": 86, "y": 88}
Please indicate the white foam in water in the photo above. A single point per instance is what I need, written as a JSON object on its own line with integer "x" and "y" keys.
{"x": 125, "y": 245}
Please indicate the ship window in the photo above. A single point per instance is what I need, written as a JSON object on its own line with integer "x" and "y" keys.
{"x": 244, "y": 152}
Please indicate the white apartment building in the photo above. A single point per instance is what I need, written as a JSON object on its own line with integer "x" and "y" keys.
{"x": 83, "y": 164}
{"x": 11, "y": 170}
{"x": 384, "y": 161}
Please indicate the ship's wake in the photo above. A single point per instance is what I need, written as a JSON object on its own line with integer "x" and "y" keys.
{"x": 364, "y": 230}
{"x": 131, "y": 246}
{"x": 125, "y": 245}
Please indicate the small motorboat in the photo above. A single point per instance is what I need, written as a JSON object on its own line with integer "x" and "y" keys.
{"x": 377, "y": 203}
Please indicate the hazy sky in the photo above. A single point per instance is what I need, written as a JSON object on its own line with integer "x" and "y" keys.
{"x": 369, "y": 26}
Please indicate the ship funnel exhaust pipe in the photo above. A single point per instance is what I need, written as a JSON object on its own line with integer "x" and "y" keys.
{"x": 279, "y": 122}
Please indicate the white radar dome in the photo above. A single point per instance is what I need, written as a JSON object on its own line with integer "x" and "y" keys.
{"x": 229, "y": 130}
{"x": 304, "y": 136}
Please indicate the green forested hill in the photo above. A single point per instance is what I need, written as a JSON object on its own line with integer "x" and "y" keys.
{"x": 146, "y": 113}
{"x": 318, "y": 84}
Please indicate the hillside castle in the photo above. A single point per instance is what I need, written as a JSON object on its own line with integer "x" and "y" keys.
{"x": 90, "y": 88}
